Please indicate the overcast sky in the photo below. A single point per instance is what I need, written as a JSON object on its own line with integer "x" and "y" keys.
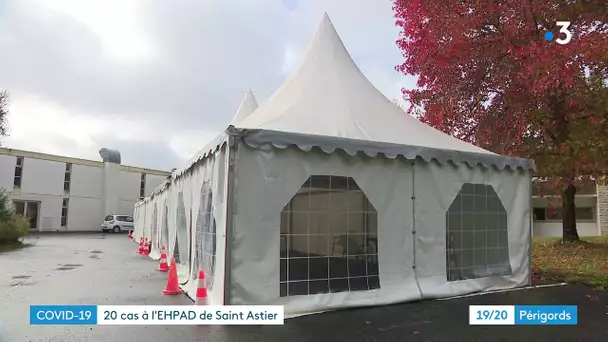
{"x": 157, "y": 79}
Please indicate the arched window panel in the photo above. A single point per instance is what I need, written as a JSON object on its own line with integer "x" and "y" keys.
{"x": 329, "y": 239}
{"x": 477, "y": 243}
{"x": 205, "y": 236}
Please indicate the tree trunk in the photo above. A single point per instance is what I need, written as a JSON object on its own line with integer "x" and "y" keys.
{"x": 569, "y": 215}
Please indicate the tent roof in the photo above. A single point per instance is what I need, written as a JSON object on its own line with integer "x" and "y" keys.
{"x": 329, "y": 104}
{"x": 328, "y": 95}
{"x": 248, "y": 105}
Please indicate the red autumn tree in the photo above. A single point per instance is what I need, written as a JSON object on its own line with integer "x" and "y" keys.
{"x": 488, "y": 75}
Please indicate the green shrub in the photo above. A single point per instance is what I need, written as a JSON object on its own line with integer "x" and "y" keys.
{"x": 12, "y": 227}
{"x": 6, "y": 208}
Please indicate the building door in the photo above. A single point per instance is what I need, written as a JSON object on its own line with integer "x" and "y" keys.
{"x": 30, "y": 210}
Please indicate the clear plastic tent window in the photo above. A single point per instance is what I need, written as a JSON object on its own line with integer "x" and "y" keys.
{"x": 205, "y": 237}
{"x": 477, "y": 239}
{"x": 329, "y": 239}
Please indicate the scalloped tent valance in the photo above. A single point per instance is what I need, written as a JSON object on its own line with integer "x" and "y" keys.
{"x": 257, "y": 138}
{"x": 305, "y": 142}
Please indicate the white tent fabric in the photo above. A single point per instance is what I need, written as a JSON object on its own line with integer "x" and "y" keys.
{"x": 328, "y": 95}
{"x": 248, "y": 105}
{"x": 329, "y": 196}
{"x": 412, "y": 204}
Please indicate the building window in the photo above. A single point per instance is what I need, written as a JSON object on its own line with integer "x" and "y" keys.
{"x": 477, "y": 236}
{"x": 18, "y": 173}
{"x": 555, "y": 214}
{"x": 205, "y": 236}
{"x": 28, "y": 209}
{"x": 585, "y": 214}
{"x": 67, "y": 178}
{"x": 64, "y": 212}
{"x": 19, "y": 207}
{"x": 142, "y": 186}
{"x": 329, "y": 239}
{"x": 540, "y": 214}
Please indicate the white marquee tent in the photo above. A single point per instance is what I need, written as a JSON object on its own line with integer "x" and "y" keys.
{"x": 329, "y": 196}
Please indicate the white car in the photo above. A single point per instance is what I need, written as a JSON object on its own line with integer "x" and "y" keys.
{"x": 117, "y": 223}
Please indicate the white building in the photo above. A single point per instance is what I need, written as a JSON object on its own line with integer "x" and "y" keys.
{"x": 591, "y": 213}
{"x": 69, "y": 194}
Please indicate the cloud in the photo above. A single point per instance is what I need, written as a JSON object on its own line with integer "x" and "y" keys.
{"x": 33, "y": 121}
{"x": 169, "y": 74}
{"x": 116, "y": 23}
{"x": 83, "y": 135}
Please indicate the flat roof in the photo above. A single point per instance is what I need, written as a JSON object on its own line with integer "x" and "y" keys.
{"x": 78, "y": 161}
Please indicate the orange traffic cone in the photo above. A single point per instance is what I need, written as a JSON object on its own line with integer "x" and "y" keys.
{"x": 146, "y": 250}
{"x": 164, "y": 267}
{"x": 201, "y": 291}
{"x": 172, "y": 282}
{"x": 141, "y": 246}
{"x": 130, "y": 236}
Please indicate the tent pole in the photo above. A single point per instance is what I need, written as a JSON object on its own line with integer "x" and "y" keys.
{"x": 413, "y": 165}
{"x": 531, "y": 220}
{"x": 230, "y": 198}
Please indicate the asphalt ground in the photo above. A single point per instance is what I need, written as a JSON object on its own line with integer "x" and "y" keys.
{"x": 103, "y": 269}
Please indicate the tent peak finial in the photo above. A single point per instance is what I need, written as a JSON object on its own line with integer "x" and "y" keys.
{"x": 326, "y": 19}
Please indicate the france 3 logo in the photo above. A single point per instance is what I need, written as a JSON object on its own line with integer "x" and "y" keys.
{"x": 563, "y": 30}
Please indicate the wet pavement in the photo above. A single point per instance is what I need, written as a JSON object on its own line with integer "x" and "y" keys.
{"x": 101, "y": 269}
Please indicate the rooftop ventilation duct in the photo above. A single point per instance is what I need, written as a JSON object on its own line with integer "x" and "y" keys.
{"x": 110, "y": 156}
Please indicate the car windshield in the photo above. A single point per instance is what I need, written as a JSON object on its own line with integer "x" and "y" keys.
{"x": 109, "y": 218}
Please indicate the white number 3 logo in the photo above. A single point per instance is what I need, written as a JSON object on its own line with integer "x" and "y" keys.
{"x": 564, "y": 29}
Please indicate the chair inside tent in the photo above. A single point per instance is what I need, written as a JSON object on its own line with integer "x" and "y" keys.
{"x": 329, "y": 196}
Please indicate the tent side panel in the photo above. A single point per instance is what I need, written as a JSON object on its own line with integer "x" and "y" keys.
{"x": 178, "y": 219}
{"x": 277, "y": 226}
{"x": 136, "y": 223}
{"x": 140, "y": 221}
{"x": 472, "y": 229}
{"x": 206, "y": 187}
{"x": 156, "y": 231}
{"x": 148, "y": 220}
{"x": 171, "y": 219}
